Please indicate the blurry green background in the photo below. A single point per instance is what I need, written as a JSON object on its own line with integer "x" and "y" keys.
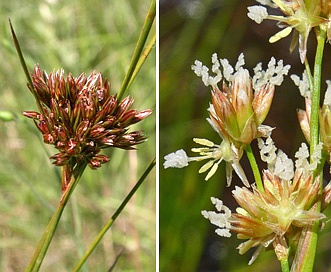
{"x": 191, "y": 30}
{"x": 79, "y": 36}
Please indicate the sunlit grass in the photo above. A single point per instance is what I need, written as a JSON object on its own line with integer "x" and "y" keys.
{"x": 79, "y": 36}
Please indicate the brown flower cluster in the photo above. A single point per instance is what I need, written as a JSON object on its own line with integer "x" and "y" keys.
{"x": 80, "y": 117}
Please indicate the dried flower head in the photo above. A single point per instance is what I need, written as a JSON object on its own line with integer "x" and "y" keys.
{"x": 276, "y": 216}
{"x": 80, "y": 117}
{"x": 299, "y": 15}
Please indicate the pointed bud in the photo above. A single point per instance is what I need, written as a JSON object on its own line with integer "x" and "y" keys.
{"x": 242, "y": 96}
{"x": 325, "y": 127}
{"x": 304, "y": 118}
{"x": 225, "y": 113}
{"x": 31, "y": 114}
{"x": 262, "y": 102}
{"x": 325, "y": 119}
{"x": 97, "y": 160}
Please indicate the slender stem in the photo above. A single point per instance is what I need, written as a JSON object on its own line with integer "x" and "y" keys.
{"x": 255, "y": 168}
{"x": 113, "y": 218}
{"x": 316, "y": 92}
{"x": 284, "y": 265}
{"x": 308, "y": 252}
{"x": 46, "y": 239}
{"x": 139, "y": 47}
{"x": 142, "y": 58}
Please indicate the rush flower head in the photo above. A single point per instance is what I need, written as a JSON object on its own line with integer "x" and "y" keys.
{"x": 276, "y": 216}
{"x": 299, "y": 15}
{"x": 80, "y": 117}
{"x": 236, "y": 113}
{"x": 242, "y": 103}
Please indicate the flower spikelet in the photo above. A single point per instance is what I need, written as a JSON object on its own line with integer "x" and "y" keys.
{"x": 276, "y": 216}
{"x": 298, "y": 16}
{"x": 212, "y": 152}
{"x": 80, "y": 117}
{"x": 242, "y": 103}
{"x": 237, "y": 110}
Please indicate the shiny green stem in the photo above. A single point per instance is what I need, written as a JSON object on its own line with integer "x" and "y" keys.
{"x": 316, "y": 91}
{"x": 143, "y": 57}
{"x": 284, "y": 265}
{"x": 42, "y": 247}
{"x": 139, "y": 48}
{"x": 308, "y": 252}
{"x": 255, "y": 168}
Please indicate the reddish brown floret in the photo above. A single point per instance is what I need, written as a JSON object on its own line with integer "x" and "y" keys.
{"x": 80, "y": 117}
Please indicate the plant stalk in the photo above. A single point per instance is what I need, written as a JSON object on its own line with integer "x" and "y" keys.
{"x": 139, "y": 48}
{"x": 307, "y": 253}
{"x": 255, "y": 168}
{"x": 40, "y": 252}
{"x": 142, "y": 58}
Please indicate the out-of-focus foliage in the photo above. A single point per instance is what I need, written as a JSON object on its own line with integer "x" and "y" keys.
{"x": 79, "y": 36}
{"x": 191, "y": 30}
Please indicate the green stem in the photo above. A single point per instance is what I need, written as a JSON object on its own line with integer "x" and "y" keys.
{"x": 285, "y": 265}
{"x": 316, "y": 91}
{"x": 255, "y": 168}
{"x": 308, "y": 251}
{"x": 142, "y": 58}
{"x": 113, "y": 218}
{"x": 139, "y": 47}
{"x": 40, "y": 252}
